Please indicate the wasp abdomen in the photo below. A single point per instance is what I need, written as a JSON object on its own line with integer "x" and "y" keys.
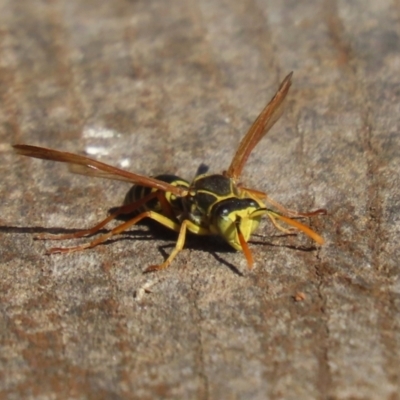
{"x": 138, "y": 192}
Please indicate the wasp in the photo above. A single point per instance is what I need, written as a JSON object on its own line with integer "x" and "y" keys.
{"x": 213, "y": 204}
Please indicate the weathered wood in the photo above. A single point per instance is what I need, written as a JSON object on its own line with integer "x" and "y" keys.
{"x": 161, "y": 86}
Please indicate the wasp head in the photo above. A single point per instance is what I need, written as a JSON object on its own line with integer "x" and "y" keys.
{"x": 236, "y": 219}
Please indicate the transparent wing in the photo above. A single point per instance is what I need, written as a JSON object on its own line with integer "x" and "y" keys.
{"x": 87, "y": 166}
{"x": 264, "y": 122}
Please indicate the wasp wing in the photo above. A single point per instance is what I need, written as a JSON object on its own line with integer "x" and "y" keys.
{"x": 96, "y": 173}
{"x": 264, "y": 122}
{"x": 87, "y": 166}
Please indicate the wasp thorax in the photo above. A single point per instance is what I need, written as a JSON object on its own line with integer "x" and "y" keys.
{"x": 233, "y": 216}
{"x": 210, "y": 189}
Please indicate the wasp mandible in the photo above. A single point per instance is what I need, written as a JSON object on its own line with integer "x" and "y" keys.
{"x": 213, "y": 204}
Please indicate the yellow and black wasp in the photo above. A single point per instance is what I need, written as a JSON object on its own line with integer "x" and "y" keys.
{"x": 211, "y": 205}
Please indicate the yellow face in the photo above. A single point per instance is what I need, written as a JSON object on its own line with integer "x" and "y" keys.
{"x": 240, "y": 215}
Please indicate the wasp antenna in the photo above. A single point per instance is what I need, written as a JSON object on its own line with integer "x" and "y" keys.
{"x": 301, "y": 227}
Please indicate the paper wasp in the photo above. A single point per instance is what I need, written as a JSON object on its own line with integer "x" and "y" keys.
{"x": 211, "y": 205}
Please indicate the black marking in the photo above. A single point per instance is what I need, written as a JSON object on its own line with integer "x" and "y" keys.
{"x": 137, "y": 192}
{"x": 218, "y": 184}
{"x": 203, "y": 169}
{"x": 204, "y": 200}
{"x": 225, "y": 207}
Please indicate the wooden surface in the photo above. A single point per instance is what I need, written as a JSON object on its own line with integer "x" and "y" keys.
{"x": 161, "y": 86}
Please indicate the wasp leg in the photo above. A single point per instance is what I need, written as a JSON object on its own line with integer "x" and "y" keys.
{"x": 126, "y": 209}
{"x": 178, "y": 247}
{"x": 256, "y": 193}
{"x": 120, "y": 228}
{"x": 186, "y": 224}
